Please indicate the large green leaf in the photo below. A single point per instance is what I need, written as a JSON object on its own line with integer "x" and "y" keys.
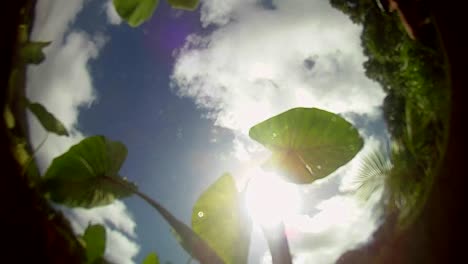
{"x": 307, "y": 143}
{"x": 95, "y": 240}
{"x": 87, "y": 174}
{"x": 151, "y": 258}
{"x": 184, "y": 4}
{"x": 219, "y": 218}
{"x": 135, "y": 12}
{"x": 47, "y": 120}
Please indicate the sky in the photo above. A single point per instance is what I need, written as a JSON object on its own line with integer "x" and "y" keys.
{"x": 181, "y": 92}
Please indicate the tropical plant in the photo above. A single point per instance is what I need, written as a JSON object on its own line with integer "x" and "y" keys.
{"x": 87, "y": 175}
{"x": 307, "y": 144}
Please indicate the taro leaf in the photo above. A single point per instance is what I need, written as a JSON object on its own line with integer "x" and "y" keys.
{"x": 219, "y": 218}
{"x": 31, "y": 52}
{"x": 47, "y": 120}
{"x": 189, "y": 240}
{"x": 307, "y": 143}
{"x": 135, "y": 12}
{"x": 87, "y": 174}
{"x": 95, "y": 240}
{"x": 151, "y": 258}
{"x": 184, "y": 4}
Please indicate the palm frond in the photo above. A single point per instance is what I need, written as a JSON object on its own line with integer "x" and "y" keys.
{"x": 372, "y": 173}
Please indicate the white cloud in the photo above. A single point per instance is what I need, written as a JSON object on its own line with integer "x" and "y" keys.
{"x": 119, "y": 248}
{"x": 255, "y": 66}
{"x": 257, "y": 63}
{"x": 112, "y": 15}
{"x": 63, "y": 84}
{"x": 340, "y": 225}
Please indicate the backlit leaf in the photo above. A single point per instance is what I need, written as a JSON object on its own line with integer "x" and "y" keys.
{"x": 219, "y": 218}
{"x": 135, "y": 12}
{"x": 307, "y": 143}
{"x": 151, "y": 258}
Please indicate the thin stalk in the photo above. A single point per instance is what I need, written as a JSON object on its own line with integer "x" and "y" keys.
{"x": 201, "y": 250}
{"x": 278, "y": 244}
{"x": 276, "y": 239}
{"x": 33, "y": 154}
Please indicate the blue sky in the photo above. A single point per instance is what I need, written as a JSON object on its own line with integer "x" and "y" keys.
{"x": 170, "y": 152}
{"x": 181, "y": 92}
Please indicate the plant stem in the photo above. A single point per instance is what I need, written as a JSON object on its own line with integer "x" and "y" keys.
{"x": 33, "y": 154}
{"x": 200, "y": 249}
{"x": 278, "y": 244}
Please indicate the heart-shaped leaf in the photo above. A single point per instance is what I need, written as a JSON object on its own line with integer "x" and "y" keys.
{"x": 219, "y": 218}
{"x": 47, "y": 120}
{"x": 307, "y": 143}
{"x": 135, "y": 12}
{"x": 151, "y": 258}
{"x": 184, "y": 4}
{"x": 95, "y": 240}
{"x": 87, "y": 174}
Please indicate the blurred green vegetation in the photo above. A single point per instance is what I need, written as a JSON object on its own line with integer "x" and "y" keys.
{"x": 416, "y": 108}
{"x": 414, "y": 75}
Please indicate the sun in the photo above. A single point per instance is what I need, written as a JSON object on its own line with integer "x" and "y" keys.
{"x": 271, "y": 200}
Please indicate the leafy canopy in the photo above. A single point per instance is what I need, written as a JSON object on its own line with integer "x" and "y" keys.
{"x": 307, "y": 143}
{"x": 87, "y": 174}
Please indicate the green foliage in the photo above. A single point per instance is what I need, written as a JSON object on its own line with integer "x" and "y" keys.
{"x": 47, "y": 120}
{"x": 31, "y": 52}
{"x": 135, "y": 12}
{"x": 87, "y": 174}
{"x": 151, "y": 258}
{"x": 95, "y": 240}
{"x": 188, "y": 239}
{"x": 416, "y": 108}
{"x": 184, "y": 4}
{"x": 375, "y": 168}
{"x": 307, "y": 143}
{"x": 220, "y": 219}
{"x": 8, "y": 117}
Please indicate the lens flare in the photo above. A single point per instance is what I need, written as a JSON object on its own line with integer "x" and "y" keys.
{"x": 271, "y": 200}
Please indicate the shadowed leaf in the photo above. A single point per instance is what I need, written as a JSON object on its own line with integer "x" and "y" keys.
{"x": 87, "y": 174}
{"x": 95, "y": 240}
{"x": 47, "y": 120}
{"x": 135, "y": 12}
{"x": 307, "y": 143}
{"x": 32, "y": 53}
{"x": 219, "y": 218}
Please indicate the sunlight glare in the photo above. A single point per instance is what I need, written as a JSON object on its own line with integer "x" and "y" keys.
{"x": 271, "y": 200}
